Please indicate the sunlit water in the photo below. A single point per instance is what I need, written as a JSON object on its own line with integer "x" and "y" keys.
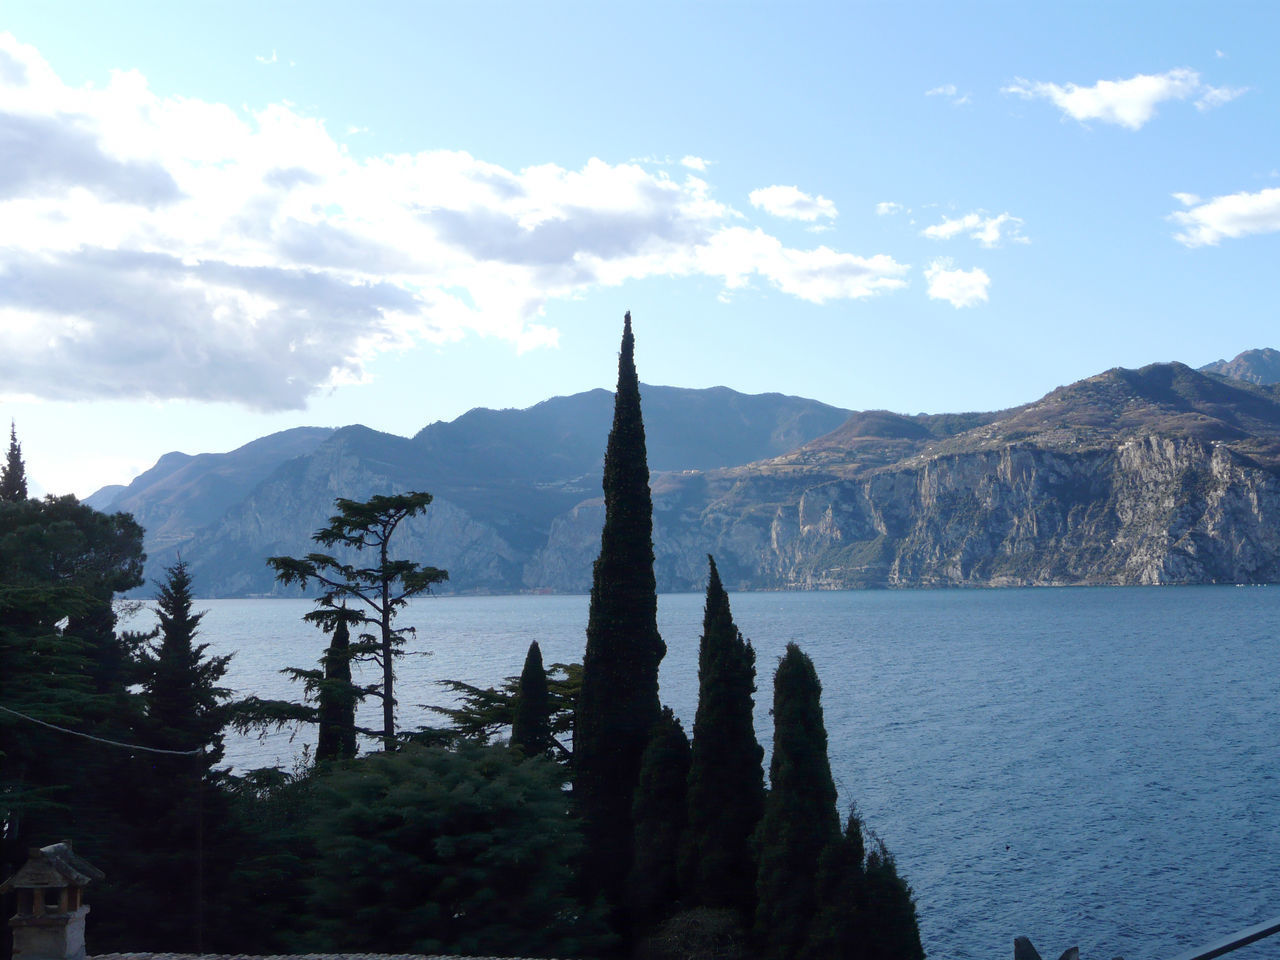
{"x": 1091, "y": 766}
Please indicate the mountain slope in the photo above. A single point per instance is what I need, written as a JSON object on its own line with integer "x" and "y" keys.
{"x": 1158, "y": 475}
{"x": 500, "y": 479}
{"x": 1255, "y": 366}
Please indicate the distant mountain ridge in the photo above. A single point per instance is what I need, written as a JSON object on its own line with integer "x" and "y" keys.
{"x": 500, "y": 478}
{"x": 1255, "y": 366}
{"x": 1159, "y": 475}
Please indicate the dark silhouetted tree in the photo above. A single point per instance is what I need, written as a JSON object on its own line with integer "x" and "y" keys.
{"x": 531, "y": 725}
{"x": 800, "y": 818}
{"x": 336, "y": 697}
{"x": 379, "y": 591}
{"x": 893, "y": 932}
{"x": 618, "y": 704}
{"x": 726, "y": 779}
{"x": 13, "y": 473}
{"x": 838, "y": 930}
{"x": 658, "y": 813}
{"x": 484, "y": 713}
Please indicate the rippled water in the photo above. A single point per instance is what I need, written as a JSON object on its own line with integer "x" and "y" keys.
{"x": 1091, "y": 766}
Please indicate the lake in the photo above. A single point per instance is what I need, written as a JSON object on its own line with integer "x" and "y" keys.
{"x": 1092, "y": 766}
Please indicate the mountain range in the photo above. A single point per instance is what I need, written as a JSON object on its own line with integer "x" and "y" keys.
{"x": 1160, "y": 475}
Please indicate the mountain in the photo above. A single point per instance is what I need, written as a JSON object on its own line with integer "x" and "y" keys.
{"x": 1151, "y": 476}
{"x": 1159, "y": 475}
{"x": 1255, "y": 366}
{"x": 501, "y": 479}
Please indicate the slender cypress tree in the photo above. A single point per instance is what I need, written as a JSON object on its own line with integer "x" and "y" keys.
{"x": 13, "y": 473}
{"x": 726, "y": 780}
{"x": 618, "y": 704}
{"x": 531, "y": 723}
{"x": 336, "y": 698}
{"x": 893, "y": 932}
{"x": 659, "y": 815}
{"x": 800, "y": 818}
{"x": 839, "y": 930}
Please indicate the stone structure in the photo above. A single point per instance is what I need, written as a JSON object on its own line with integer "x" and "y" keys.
{"x": 49, "y": 923}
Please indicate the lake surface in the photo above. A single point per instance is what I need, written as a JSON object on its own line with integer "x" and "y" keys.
{"x": 1092, "y": 766}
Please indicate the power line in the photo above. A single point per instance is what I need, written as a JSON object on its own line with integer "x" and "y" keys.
{"x": 112, "y": 743}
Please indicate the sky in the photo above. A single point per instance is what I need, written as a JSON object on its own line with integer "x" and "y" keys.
{"x": 218, "y": 221}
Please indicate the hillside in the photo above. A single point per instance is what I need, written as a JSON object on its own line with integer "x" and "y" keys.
{"x": 1159, "y": 475}
{"x": 1255, "y": 366}
{"x": 500, "y": 478}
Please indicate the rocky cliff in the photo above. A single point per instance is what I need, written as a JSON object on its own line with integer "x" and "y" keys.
{"x": 1156, "y": 476}
{"x": 1151, "y": 476}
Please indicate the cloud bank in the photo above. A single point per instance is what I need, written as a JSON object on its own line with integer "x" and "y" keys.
{"x": 1126, "y": 103}
{"x": 1236, "y": 215}
{"x": 168, "y": 247}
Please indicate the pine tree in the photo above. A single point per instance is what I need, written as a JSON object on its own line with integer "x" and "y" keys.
{"x": 13, "y": 473}
{"x": 618, "y": 704}
{"x": 800, "y": 818}
{"x": 726, "y": 780}
{"x": 381, "y": 590}
{"x": 659, "y": 816}
{"x": 180, "y": 810}
{"x": 531, "y": 725}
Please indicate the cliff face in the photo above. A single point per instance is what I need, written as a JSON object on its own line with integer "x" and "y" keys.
{"x": 1157, "y": 476}
{"x": 1151, "y": 476}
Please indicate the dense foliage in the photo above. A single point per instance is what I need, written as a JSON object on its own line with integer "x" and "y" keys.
{"x": 459, "y": 851}
{"x": 726, "y": 781}
{"x": 800, "y": 818}
{"x": 618, "y": 704}
{"x": 658, "y": 813}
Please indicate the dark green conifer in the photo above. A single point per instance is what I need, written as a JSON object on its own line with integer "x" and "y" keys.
{"x": 893, "y": 932}
{"x": 726, "y": 780}
{"x": 659, "y": 816}
{"x": 618, "y": 704}
{"x": 839, "y": 927}
{"x": 336, "y": 698}
{"x": 531, "y": 724}
{"x": 13, "y": 472}
{"x": 800, "y": 818}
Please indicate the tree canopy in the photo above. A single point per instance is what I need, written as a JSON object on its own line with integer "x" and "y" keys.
{"x": 377, "y": 592}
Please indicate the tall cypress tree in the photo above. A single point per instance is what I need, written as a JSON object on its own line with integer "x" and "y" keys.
{"x": 531, "y": 723}
{"x": 618, "y": 704}
{"x": 726, "y": 780}
{"x": 336, "y": 698}
{"x": 800, "y": 818}
{"x": 13, "y": 473}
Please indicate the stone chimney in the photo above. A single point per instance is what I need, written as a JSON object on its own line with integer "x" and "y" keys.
{"x": 49, "y": 924}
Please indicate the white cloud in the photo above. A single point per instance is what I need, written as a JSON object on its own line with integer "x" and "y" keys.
{"x": 170, "y": 247}
{"x": 988, "y": 231}
{"x": 949, "y": 91}
{"x": 960, "y": 288}
{"x": 792, "y": 203}
{"x": 738, "y": 254}
{"x": 1217, "y": 96}
{"x": 887, "y": 208}
{"x": 271, "y": 59}
{"x": 1186, "y": 199}
{"x": 1127, "y": 103}
{"x": 1235, "y": 215}
{"x": 694, "y": 163}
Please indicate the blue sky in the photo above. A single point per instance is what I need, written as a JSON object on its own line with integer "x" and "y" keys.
{"x": 222, "y": 220}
